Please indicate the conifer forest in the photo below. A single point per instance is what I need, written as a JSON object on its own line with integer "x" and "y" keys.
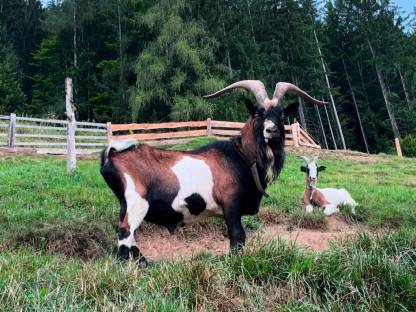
{"x": 151, "y": 61}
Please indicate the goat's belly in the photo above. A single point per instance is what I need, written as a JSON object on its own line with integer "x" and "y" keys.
{"x": 195, "y": 197}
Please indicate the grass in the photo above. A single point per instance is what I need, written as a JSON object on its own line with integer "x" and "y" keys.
{"x": 57, "y": 237}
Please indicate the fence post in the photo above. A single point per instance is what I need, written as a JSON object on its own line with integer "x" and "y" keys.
{"x": 12, "y": 131}
{"x": 209, "y": 126}
{"x": 398, "y": 148}
{"x": 109, "y": 132}
{"x": 295, "y": 134}
{"x": 70, "y": 142}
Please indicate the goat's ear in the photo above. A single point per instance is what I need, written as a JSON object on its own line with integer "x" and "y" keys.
{"x": 250, "y": 107}
{"x": 291, "y": 108}
{"x": 303, "y": 169}
{"x": 321, "y": 168}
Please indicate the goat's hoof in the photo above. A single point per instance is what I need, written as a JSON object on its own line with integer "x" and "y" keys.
{"x": 123, "y": 253}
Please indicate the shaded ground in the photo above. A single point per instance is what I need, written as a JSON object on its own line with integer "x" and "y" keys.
{"x": 157, "y": 243}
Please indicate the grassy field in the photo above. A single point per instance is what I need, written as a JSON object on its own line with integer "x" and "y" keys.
{"x": 57, "y": 238}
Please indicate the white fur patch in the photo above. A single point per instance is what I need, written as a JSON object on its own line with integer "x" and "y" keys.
{"x": 137, "y": 208}
{"x": 313, "y": 170}
{"x": 268, "y": 124}
{"x": 309, "y": 208}
{"x": 194, "y": 176}
{"x": 337, "y": 197}
{"x": 119, "y": 145}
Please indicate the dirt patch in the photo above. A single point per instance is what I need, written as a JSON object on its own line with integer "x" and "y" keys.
{"x": 157, "y": 243}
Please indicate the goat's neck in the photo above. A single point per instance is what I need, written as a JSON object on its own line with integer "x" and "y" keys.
{"x": 248, "y": 140}
{"x": 308, "y": 193}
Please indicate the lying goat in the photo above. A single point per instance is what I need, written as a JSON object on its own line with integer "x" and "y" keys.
{"x": 226, "y": 178}
{"x": 327, "y": 198}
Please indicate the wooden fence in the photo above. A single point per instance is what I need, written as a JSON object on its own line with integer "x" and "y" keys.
{"x": 170, "y": 133}
{"x": 50, "y": 135}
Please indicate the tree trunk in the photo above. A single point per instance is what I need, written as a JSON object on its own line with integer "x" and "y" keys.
{"x": 404, "y": 86}
{"x": 121, "y": 57}
{"x": 322, "y": 126}
{"x": 75, "y": 34}
{"x": 356, "y": 106}
{"x": 227, "y": 50}
{"x": 329, "y": 91}
{"x": 330, "y": 128}
{"x": 385, "y": 95}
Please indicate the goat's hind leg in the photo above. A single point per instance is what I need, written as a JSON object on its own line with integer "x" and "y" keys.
{"x": 135, "y": 210}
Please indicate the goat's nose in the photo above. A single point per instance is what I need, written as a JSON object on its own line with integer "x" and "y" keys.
{"x": 271, "y": 130}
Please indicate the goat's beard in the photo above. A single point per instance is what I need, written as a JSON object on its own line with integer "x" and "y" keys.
{"x": 270, "y": 168}
{"x": 270, "y": 155}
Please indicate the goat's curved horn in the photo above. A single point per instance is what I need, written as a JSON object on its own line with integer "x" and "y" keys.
{"x": 254, "y": 86}
{"x": 306, "y": 159}
{"x": 283, "y": 87}
{"x": 316, "y": 158}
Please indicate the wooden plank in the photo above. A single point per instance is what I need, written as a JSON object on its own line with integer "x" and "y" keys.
{"x": 109, "y": 131}
{"x": 56, "y": 151}
{"x": 5, "y": 117}
{"x": 306, "y": 137}
{"x": 310, "y": 145}
{"x": 398, "y": 147}
{"x": 226, "y": 124}
{"x": 165, "y": 135}
{"x": 12, "y": 130}
{"x": 4, "y": 125}
{"x": 41, "y": 127}
{"x": 225, "y": 132}
{"x": 209, "y": 126}
{"x": 41, "y": 136}
{"x": 58, "y": 136}
{"x": 55, "y": 144}
{"x": 164, "y": 125}
{"x": 91, "y": 130}
{"x": 3, "y": 135}
{"x": 91, "y": 124}
{"x": 56, "y": 121}
{"x": 70, "y": 113}
{"x": 289, "y": 143}
{"x": 40, "y": 144}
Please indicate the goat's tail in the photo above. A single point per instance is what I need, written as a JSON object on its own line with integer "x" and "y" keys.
{"x": 116, "y": 146}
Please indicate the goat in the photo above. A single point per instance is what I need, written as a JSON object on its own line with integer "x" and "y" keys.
{"x": 225, "y": 178}
{"x": 327, "y": 198}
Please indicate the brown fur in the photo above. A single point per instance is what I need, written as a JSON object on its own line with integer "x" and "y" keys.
{"x": 318, "y": 199}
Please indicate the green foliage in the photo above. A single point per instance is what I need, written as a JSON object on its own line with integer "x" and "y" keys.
{"x": 11, "y": 95}
{"x": 173, "y": 70}
{"x": 408, "y": 144}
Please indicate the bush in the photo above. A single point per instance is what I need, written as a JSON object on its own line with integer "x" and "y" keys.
{"x": 408, "y": 144}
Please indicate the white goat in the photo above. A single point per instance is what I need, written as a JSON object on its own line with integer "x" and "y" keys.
{"x": 328, "y": 198}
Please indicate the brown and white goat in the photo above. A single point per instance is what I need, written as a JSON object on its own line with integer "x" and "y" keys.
{"x": 328, "y": 198}
{"x": 224, "y": 178}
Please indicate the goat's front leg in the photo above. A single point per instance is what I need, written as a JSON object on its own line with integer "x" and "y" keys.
{"x": 236, "y": 231}
{"x": 131, "y": 217}
{"x": 329, "y": 209}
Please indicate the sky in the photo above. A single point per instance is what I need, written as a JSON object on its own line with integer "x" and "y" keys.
{"x": 406, "y": 5}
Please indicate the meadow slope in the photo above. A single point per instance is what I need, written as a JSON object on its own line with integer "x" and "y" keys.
{"x": 57, "y": 239}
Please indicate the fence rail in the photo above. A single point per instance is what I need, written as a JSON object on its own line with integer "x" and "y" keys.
{"x": 174, "y": 132}
{"x": 50, "y": 135}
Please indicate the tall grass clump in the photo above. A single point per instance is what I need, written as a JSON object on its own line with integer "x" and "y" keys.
{"x": 366, "y": 273}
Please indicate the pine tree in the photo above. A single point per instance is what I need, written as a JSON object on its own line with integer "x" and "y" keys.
{"x": 12, "y": 97}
